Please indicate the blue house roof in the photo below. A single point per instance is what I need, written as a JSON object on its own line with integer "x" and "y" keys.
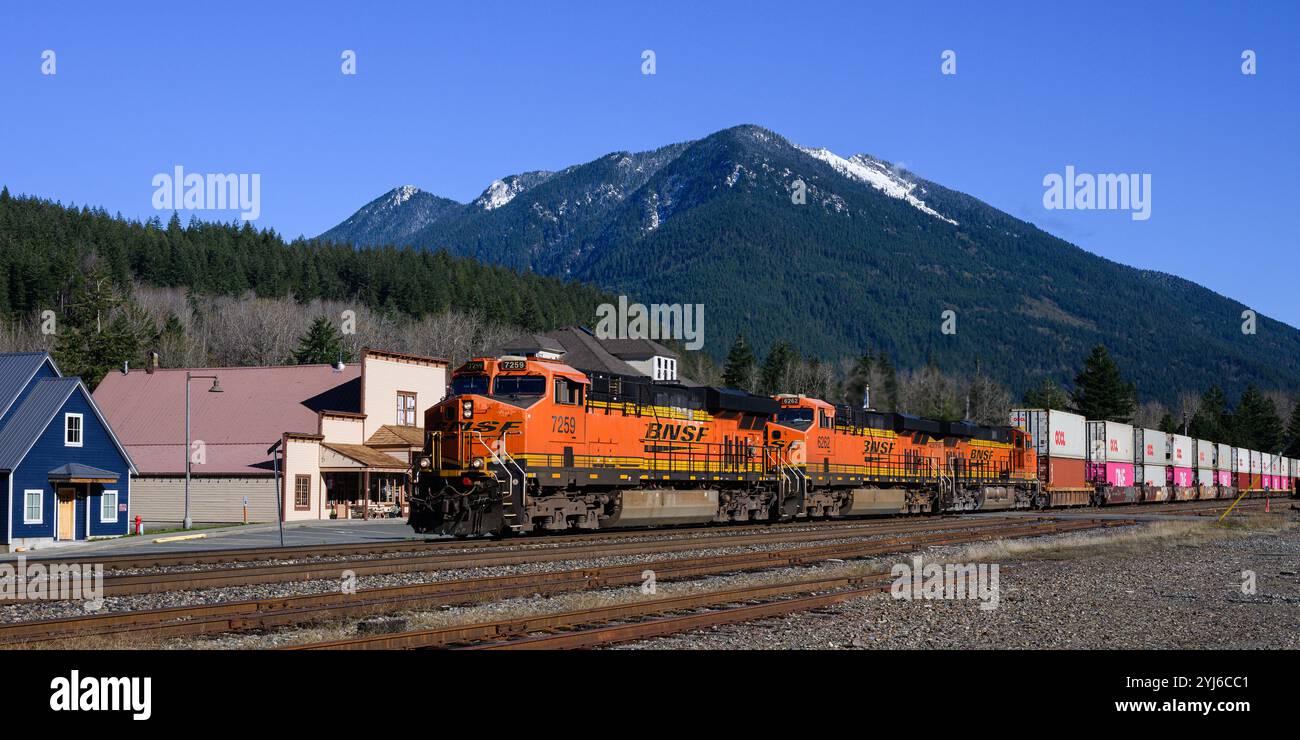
{"x": 22, "y": 425}
{"x": 16, "y": 371}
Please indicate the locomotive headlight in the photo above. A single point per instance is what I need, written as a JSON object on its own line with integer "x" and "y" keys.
{"x": 426, "y": 462}
{"x": 477, "y": 464}
{"x": 467, "y": 409}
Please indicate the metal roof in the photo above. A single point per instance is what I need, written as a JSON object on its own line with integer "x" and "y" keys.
{"x": 26, "y": 422}
{"x": 77, "y": 470}
{"x": 257, "y": 406}
{"x": 16, "y": 371}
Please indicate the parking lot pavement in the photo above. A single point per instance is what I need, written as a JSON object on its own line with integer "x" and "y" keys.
{"x": 329, "y": 532}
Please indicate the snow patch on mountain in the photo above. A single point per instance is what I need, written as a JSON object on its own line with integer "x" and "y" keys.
{"x": 875, "y": 173}
{"x": 497, "y": 195}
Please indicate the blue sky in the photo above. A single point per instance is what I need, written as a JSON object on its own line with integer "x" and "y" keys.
{"x": 450, "y": 96}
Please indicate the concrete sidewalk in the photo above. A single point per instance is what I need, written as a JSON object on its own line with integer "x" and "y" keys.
{"x": 322, "y": 532}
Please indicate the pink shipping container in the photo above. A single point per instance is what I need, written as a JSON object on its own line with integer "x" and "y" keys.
{"x": 1181, "y": 476}
{"x": 1223, "y": 478}
{"x": 1116, "y": 474}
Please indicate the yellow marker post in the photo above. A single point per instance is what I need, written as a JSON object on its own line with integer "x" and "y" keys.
{"x": 1234, "y": 503}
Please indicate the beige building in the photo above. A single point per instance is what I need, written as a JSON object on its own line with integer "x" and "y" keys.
{"x": 340, "y": 438}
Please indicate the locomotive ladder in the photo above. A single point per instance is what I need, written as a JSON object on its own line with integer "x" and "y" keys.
{"x": 505, "y": 461}
{"x": 790, "y": 475}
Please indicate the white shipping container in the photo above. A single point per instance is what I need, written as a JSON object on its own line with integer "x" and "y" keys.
{"x": 1054, "y": 433}
{"x": 1180, "y": 451}
{"x": 1110, "y": 441}
{"x": 1205, "y": 476}
{"x": 1153, "y": 475}
{"x": 1241, "y": 460}
{"x": 1204, "y": 454}
{"x": 1150, "y": 446}
{"x": 1273, "y": 467}
{"x": 1224, "y": 460}
{"x": 1256, "y": 463}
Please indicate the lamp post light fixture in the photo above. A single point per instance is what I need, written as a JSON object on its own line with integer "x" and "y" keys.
{"x": 216, "y": 388}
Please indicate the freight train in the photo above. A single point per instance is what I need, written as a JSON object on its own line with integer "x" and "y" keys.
{"x": 526, "y": 444}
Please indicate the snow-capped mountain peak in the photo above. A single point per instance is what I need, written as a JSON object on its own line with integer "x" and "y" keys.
{"x": 399, "y": 195}
{"x": 875, "y": 173}
{"x": 501, "y": 192}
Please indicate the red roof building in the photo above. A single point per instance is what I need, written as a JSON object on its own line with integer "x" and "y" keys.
{"x": 341, "y": 431}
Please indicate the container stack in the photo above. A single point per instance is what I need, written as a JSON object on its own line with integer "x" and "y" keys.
{"x": 1060, "y": 439}
{"x": 1203, "y": 452}
{"x": 1150, "y": 456}
{"x": 1241, "y": 467}
{"x": 1223, "y": 466}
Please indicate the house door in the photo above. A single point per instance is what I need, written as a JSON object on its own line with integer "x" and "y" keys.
{"x": 67, "y": 513}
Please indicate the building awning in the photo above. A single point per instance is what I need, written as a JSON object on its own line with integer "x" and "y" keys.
{"x": 78, "y": 473}
{"x": 336, "y": 456}
{"x": 391, "y": 435}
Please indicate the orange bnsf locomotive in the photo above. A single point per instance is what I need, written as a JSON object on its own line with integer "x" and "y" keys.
{"x": 862, "y": 462}
{"x": 528, "y": 444}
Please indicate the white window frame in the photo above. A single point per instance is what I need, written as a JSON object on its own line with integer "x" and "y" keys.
{"x": 40, "y": 507}
{"x": 102, "y": 496}
{"x": 81, "y": 429}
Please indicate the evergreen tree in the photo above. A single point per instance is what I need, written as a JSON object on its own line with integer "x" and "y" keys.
{"x": 859, "y": 378}
{"x": 1257, "y": 423}
{"x": 739, "y": 369}
{"x": 1293, "y": 434}
{"x": 1211, "y": 419}
{"x": 1167, "y": 424}
{"x": 322, "y": 344}
{"x": 1048, "y": 394}
{"x": 1100, "y": 391}
{"x": 776, "y": 368}
{"x": 889, "y": 391}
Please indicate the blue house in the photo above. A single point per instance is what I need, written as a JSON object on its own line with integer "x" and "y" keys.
{"x": 63, "y": 473}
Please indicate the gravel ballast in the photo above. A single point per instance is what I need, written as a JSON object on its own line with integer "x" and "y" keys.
{"x": 1175, "y": 592}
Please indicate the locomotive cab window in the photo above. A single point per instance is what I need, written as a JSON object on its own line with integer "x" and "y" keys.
{"x": 463, "y": 385}
{"x": 568, "y": 392}
{"x": 825, "y": 422}
{"x": 798, "y": 418}
{"x": 519, "y": 385}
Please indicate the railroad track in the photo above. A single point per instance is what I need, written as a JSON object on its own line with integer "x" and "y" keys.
{"x": 165, "y": 559}
{"x": 314, "y": 608}
{"x": 521, "y": 627}
{"x": 188, "y": 580}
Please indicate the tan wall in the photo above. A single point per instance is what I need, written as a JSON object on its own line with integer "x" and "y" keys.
{"x": 384, "y": 377}
{"x": 344, "y": 429}
{"x": 162, "y": 500}
{"x": 302, "y": 457}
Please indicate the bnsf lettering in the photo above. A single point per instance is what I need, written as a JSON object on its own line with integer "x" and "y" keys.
{"x": 981, "y": 455}
{"x": 879, "y": 446}
{"x": 486, "y": 427}
{"x": 675, "y": 432}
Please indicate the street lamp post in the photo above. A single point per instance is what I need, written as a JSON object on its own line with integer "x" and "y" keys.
{"x": 216, "y": 388}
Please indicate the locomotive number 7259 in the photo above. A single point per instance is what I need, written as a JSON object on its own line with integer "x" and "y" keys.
{"x": 564, "y": 424}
